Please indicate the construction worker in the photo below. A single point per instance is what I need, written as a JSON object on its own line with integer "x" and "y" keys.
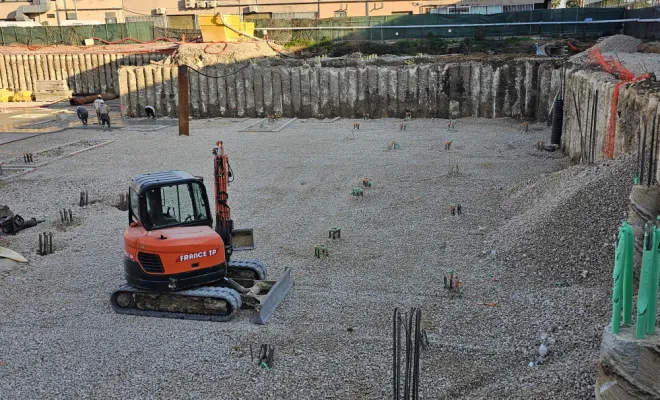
{"x": 82, "y": 114}
{"x": 150, "y": 111}
{"x": 459, "y": 211}
{"x": 452, "y": 209}
{"x": 97, "y": 104}
{"x": 104, "y": 115}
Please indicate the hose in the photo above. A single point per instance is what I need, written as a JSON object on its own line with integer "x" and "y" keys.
{"x": 215, "y": 52}
{"x": 160, "y": 39}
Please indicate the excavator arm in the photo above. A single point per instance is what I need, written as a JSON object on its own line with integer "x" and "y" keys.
{"x": 234, "y": 239}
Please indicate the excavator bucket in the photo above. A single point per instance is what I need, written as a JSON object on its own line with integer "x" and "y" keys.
{"x": 264, "y": 296}
{"x": 242, "y": 239}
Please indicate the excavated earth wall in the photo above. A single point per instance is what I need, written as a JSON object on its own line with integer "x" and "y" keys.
{"x": 84, "y": 73}
{"x": 487, "y": 89}
{"x": 636, "y": 106}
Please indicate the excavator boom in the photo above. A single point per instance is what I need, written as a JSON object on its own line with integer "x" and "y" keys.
{"x": 235, "y": 239}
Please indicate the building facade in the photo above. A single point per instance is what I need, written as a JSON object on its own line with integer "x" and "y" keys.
{"x": 180, "y": 13}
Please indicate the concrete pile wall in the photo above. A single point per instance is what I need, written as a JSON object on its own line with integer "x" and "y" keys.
{"x": 637, "y": 104}
{"x": 84, "y": 73}
{"x": 460, "y": 89}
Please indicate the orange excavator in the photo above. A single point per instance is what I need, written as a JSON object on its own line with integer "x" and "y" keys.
{"x": 177, "y": 266}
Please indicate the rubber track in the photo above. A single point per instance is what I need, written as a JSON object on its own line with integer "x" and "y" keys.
{"x": 259, "y": 267}
{"x": 230, "y": 295}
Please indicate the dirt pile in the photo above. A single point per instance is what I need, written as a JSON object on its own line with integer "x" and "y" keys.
{"x": 201, "y": 55}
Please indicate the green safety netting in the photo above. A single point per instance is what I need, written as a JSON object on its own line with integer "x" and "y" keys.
{"x": 558, "y": 15}
{"x": 75, "y": 35}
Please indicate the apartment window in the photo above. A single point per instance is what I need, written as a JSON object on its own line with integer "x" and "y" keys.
{"x": 71, "y": 16}
{"x": 340, "y": 14}
{"x": 401, "y": 12}
{"x": 458, "y": 10}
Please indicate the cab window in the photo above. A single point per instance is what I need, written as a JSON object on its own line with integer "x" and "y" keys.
{"x": 177, "y": 204}
{"x": 135, "y": 203}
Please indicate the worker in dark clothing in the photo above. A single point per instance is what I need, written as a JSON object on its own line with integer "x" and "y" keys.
{"x": 104, "y": 115}
{"x": 151, "y": 113}
{"x": 459, "y": 210}
{"x": 82, "y": 114}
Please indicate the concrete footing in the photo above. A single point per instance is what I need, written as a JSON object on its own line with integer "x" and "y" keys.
{"x": 628, "y": 368}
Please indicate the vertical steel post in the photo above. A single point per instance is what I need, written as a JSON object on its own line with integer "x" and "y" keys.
{"x": 650, "y": 180}
{"x": 642, "y": 164}
{"x": 395, "y": 377}
{"x": 184, "y": 111}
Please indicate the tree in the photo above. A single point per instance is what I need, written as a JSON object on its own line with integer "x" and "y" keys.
{"x": 572, "y": 3}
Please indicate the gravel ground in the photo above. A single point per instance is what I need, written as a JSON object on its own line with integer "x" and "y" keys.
{"x": 611, "y": 44}
{"x": 625, "y": 49}
{"x": 639, "y": 63}
{"x": 60, "y": 339}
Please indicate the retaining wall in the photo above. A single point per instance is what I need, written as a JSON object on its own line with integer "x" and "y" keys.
{"x": 443, "y": 89}
{"x": 84, "y": 73}
{"x": 637, "y": 104}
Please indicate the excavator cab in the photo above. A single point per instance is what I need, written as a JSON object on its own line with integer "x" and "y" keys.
{"x": 170, "y": 243}
{"x": 170, "y": 204}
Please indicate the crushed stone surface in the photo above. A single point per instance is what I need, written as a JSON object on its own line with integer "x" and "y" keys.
{"x": 611, "y": 44}
{"x": 639, "y": 63}
{"x": 525, "y": 227}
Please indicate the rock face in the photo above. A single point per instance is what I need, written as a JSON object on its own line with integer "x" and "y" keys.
{"x": 628, "y": 368}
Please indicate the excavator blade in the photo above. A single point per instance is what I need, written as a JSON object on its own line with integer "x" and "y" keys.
{"x": 261, "y": 295}
{"x": 242, "y": 239}
{"x": 269, "y": 303}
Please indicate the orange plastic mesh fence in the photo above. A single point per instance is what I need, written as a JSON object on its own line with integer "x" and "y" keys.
{"x": 609, "y": 64}
{"x": 614, "y": 67}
